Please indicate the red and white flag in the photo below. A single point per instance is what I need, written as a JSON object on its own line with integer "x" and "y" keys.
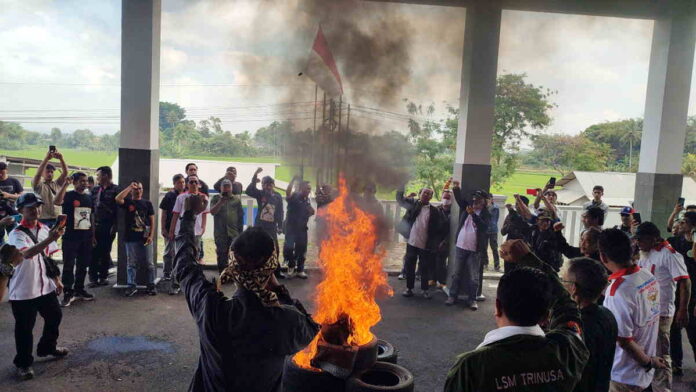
{"x": 321, "y": 67}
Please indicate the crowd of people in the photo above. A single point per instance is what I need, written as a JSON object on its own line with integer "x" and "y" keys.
{"x": 617, "y": 307}
{"x": 86, "y": 220}
{"x": 606, "y": 315}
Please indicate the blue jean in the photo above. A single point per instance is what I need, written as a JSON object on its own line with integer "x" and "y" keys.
{"x": 465, "y": 276}
{"x": 138, "y": 254}
{"x": 295, "y": 249}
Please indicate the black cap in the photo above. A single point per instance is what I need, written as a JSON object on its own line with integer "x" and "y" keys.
{"x": 28, "y": 200}
{"x": 647, "y": 229}
{"x": 480, "y": 194}
{"x": 267, "y": 180}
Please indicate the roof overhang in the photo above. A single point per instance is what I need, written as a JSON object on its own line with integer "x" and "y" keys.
{"x": 637, "y": 9}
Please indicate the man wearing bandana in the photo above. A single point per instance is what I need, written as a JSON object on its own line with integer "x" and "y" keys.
{"x": 245, "y": 339}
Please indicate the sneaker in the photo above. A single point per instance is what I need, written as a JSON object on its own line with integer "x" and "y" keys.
{"x": 302, "y": 275}
{"x": 450, "y": 301}
{"x": 166, "y": 278}
{"x": 83, "y": 295}
{"x": 174, "y": 290}
{"x": 131, "y": 291}
{"x": 481, "y": 298}
{"x": 92, "y": 285}
{"x": 281, "y": 275}
{"x": 290, "y": 273}
{"x": 473, "y": 305}
{"x": 25, "y": 373}
{"x": 401, "y": 277}
{"x": 103, "y": 282}
{"x": 446, "y": 290}
{"x": 426, "y": 294}
{"x": 407, "y": 293}
{"x": 67, "y": 299}
{"x": 151, "y": 291}
{"x": 58, "y": 352}
{"x": 432, "y": 283}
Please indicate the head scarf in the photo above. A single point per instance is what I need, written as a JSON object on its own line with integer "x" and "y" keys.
{"x": 254, "y": 280}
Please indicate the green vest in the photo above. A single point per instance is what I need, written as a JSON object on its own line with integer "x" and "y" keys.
{"x": 227, "y": 220}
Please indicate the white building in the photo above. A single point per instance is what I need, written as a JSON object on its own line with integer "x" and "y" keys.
{"x": 619, "y": 188}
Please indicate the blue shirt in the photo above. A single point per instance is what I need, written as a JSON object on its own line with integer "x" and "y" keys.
{"x": 495, "y": 214}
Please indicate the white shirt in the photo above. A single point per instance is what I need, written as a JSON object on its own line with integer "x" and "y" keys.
{"x": 668, "y": 267}
{"x": 419, "y": 232}
{"x": 29, "y": 280}
{"x": 467, "y": 235}
{"x": 179, "y": 208}
{"x": 506, "y": 332}
{"x": 633, "y": 297}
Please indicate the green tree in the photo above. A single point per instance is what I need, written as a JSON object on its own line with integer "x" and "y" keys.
{"x": 56, "y": 136}
{"x": 170, "y": 114}
{"x": 565, "y": 153}
{"x": 521, "y": 110}
{"x": 689, "y": 165}
{"x": 632, "y": 134}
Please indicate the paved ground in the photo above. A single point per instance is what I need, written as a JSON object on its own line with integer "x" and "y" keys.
{"x": 150, "y": 343}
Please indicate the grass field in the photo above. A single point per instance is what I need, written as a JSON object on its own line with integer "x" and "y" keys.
{"x": 518, "y": 183}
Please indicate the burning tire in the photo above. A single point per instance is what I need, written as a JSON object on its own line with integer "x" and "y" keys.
{"x": 386, "y": 352}
{"x": 366, "y": 357}
{"x": 297, "y": 379}
{"x": 382, "y": 377}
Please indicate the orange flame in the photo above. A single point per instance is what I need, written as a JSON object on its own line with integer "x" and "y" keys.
{"x": 353, "y": 273}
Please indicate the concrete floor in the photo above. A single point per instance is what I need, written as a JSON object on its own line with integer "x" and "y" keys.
{"x": 151, "y": 344}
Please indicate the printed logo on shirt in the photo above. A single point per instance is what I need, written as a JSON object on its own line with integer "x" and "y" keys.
{"x": 138, "y": 221}
{"x": 76, "y": 203}
{"x": 268, "y": 213}
{"x": 528, "y": 379}
{"x": 82, "y": 218}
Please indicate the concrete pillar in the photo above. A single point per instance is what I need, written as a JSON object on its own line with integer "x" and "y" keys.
{"x": 658, "y": 181}
{"x": 472, "y": 161}
{"x": 139, "y": 150}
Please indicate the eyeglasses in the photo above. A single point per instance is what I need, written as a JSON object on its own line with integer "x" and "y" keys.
{"x": 193, "y": 182}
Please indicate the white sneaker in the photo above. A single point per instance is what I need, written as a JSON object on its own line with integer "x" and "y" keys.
{"x": 290, "y": 274}
{"x": 473, "y": 305}
{"x": 481, "y": 298}
{"x": 302, "y": 275}
{"x": 446, "y": 290}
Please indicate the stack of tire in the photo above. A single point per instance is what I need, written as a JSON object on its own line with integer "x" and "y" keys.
{"x": 375, "y": 370}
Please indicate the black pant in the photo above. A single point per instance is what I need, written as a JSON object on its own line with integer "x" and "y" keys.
{"x": 422, "y": 257}
{"x": 77, "y": 255}
{"x": 481, "y": 266}
{"x": 492, "y": 240}
{"x": 440, "y": 268}
{"x": 222, "y": 251}
{"x": 675, "y": 337}
{"x": 101, "y": 254}
{"x": 25, "y": 317}
{"x": 295, "y": 249}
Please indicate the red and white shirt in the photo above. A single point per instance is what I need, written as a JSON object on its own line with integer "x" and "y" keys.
{"x": 633, "y": 297}
{"x": 29, "y": 280}
{"x": 668, "y": 267}
{"x": 179, "y": 209}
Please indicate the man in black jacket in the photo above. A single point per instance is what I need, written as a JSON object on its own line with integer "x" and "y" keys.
{"x": 471, "y": 241}
{"x": 244, "y": 340}
{"x": 421, "y": 226}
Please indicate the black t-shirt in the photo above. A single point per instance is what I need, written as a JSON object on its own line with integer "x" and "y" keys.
{"x": 138, "y": 213}
{"x": 10, "y": 185}
{"x": 600, "y": 332}
{"x": 681, "y": 245}
{"x": 167, "y": 204}
{"x": 5, "y": 211}
{"x": 298, "y": 212}
{"x": 104, "y": 201}
{"x": 79, "y": 208}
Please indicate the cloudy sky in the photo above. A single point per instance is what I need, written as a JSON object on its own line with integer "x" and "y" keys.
{"x": 238, "y": 60}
